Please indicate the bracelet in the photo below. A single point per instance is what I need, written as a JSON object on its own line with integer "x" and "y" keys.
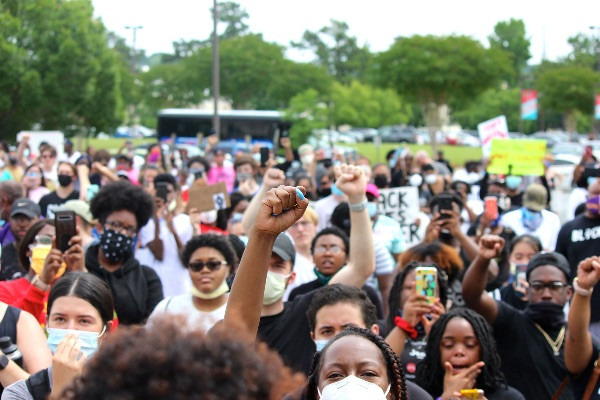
{"x": 38, "y": 284}
{"x": 358, "y": 207}
{"x": 406, "y": 327}
{"x": 581, "y": 291}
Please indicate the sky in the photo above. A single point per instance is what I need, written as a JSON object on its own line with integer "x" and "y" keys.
{"x": 375, "y": 22}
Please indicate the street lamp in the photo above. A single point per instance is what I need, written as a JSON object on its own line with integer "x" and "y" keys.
{"x": 134, "y": 30}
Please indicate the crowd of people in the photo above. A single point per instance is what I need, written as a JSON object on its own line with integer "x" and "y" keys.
{"x": 300, "y": 287}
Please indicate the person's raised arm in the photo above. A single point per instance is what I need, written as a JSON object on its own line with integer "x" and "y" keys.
{"x": 473, "y": 287}
{"x": 352, "y": 181}
{"x": 273, "y": 178}
{"x": 286, "y": 143}
{"x": 578, "y": 346}
{"x": 279, "y": 209}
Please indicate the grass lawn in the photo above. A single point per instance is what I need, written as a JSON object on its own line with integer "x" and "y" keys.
{"x": 457, "y": 155}
{"x": 111, "y": 144}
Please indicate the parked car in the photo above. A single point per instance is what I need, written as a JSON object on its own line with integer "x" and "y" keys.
{"x": 570, "y": 148}
{"x": 398, "y": 134}
{"x": 423, "y": 136}
{"x": 368, "y": 133}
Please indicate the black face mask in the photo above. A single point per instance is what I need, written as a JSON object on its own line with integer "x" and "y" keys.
{"x": 324, "y": 192}
{"x": 65, "y": 180}
{"x": 381, "y": 181}
{"x": 546, "y": 314}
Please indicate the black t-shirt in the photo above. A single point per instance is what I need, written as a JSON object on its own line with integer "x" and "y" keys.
{"x": 10, "y": 268}
{"x": 577, "y": 240}
{"x": 50, "y": 202}
{"x": 316, "y": 284}
{"x": 505, "y": 393}
{"x": 288, "y": 333}
{"x": 528, "y": 361}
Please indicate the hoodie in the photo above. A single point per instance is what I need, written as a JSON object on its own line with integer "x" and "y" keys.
{"x": 136, "y": 288}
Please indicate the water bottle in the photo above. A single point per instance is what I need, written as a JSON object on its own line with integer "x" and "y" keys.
{"x": 11, "y": 350}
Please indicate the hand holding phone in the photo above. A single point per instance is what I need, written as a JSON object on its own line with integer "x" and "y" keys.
{"x": 162, "y": 191}
{"x": 444, "y": 203}
{"x": 64, "y": 222}
{"x": 472, "y": 394}
{"x": 264, "y": 156}
{"x": 426, "y": 283}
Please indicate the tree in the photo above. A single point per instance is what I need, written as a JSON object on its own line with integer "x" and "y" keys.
{"x": 65, "y": 76}
{"x": 568, "y": 89}
{"x": 437, "y": 71}
{"x": 234, "y": 16}
{"x": 336, "y": 51}
{"x": 510, "y": 36}
{"x": 307, "y": 111}
{"x": 584, "y": 51}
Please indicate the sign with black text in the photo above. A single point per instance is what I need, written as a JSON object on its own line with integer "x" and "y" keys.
{"x": 402, "y": 205}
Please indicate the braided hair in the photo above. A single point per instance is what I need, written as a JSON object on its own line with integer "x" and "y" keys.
{"x": 430, "y": 372}
{"x": 395, "y": 371}
{"x": 396, "y": 290}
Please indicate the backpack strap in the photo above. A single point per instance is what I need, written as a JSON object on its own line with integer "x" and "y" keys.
{"x": 593, "y": 381}
{"x": 561, "y": 388}
{"x": 38, "y": 385}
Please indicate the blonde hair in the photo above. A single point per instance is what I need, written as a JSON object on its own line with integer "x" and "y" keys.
{"x": 311, "y": 215}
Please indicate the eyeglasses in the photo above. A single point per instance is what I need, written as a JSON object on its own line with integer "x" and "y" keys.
{"x": 211, "y": 265}
{"x": 119, "y": 227}
{"x": 555, "y": 287}
{"x": 335, "y": 249}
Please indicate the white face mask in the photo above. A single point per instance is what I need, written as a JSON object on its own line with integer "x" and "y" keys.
{"x": 274, "y": 287}
{"x": 208, "y": 217}
{"x": 307, "y": 159}
{"x": 431, "y": 179}
{"x": 353, "y": 388}
{"x": 415, "y": 180}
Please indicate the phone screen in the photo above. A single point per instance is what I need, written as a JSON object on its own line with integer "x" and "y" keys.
{"x": 264, "y": 156}
{"x": 426, "y": 283}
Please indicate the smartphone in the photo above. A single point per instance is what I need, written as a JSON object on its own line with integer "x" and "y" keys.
{"x": 444, "y": 203}
{"x": 520, "y": 275}
{"x": 472, "y": 394}
{"x": 162, "y": 190}
{"x": 491, "y": 207}
{"x": 264, "y": 156}
{"x": 426, "y": 283}
{"x": 64, "y": 222}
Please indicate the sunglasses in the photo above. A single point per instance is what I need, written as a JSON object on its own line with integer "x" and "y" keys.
{"x": 211, "y": 265}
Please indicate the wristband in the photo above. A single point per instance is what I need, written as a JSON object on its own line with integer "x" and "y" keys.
{"x": 38, "y": 284}
{"x": 358, "y": 207}
{"x": 406, "y": 327}
{"x": 581, "y": 291}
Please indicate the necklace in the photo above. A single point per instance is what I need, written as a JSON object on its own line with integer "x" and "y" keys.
{"x": 555, "y": 344}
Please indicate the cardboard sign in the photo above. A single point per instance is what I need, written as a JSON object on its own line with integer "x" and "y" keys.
{"x": 402, "y": 205}
{"x": 524, "y": 156}
{"x": 208, "y": 197}
{"x": 495, "y": 128}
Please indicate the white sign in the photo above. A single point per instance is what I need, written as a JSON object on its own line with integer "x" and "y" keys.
{"x": 402, "y": 205}
{"x": 495, "y": 128}
{"x": 54, "y": 138}
{"x": 219, "y": 201}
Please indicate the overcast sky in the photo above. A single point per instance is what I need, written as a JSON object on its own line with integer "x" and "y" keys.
{"x": 373, "y": 22}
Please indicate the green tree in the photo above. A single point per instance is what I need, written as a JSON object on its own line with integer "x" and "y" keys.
{"x": 437, "y": 71}
{"x": 585, "y": 50}
{"x": 234, "y": 16}
{"x": 307, "y": 111}
{"x": 510, "y": 36}
{"x": 567, "y": 90}
{"x": 336, "y": 51}
{"x": 65, "y": 74}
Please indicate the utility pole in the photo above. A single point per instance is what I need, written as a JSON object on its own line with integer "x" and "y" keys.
{"x": 132, "y": 109}
{"x": 134, "y": 30}
{"x": 215, "y": 65}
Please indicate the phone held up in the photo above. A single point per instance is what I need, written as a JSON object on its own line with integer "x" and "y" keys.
{"x": 162, "y": 190}
{"x": 264, "y": 156}
{"x": 444, "y": 203}
{"x": 472, "y": 394}
{"x": 426, "y": 283}
{"x": 64, "y": 221}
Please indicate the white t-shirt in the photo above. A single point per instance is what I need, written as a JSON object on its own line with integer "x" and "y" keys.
{"x": 547, "y": 232}
{"x": 174, "y": 276}
{"x": 324, "y": 209}
{"x": 305, "y": 272}
{"x": 576, "y": 197}
{"x": 184, "y": 305}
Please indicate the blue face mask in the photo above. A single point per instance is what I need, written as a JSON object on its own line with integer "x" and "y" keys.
{"x": 89, "y": 340}
{"x": 591, "y": 180}
{"x": 531, "y": 219}
{"x": 335, "y": 191}
{"x": 372, "y": 208}
{"x": 321, "y": 343}
{"x": 513, "y": 182}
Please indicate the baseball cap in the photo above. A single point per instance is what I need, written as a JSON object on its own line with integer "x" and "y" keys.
{"x": 79, "y": 207}
{"x": 555, "y": 259}
{"x": 536, "y": 197}
{"x": 372, "y": 189}
{"x": 284, "y": 248}
{"x": 26, "y": 207}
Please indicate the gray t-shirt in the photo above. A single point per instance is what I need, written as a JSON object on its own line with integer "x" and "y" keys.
{"x": 19, "y": 391}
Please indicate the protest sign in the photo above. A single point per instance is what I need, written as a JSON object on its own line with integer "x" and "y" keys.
{"x": 495, "y": 128}
{"x": 402, "y": 205}
{"x": 208, "y": 197}
{"x": 517, "y": 157}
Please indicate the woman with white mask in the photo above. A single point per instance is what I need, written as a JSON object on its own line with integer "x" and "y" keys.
{"x": 210, "y": 260}
{"x": 80, "y": 313}
{"x": 356, "y": 364}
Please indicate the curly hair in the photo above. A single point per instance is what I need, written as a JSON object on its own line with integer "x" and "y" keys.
{"x": 442, "y": 255}
{"x": 430, "y": 372}
{"x": 168, "y": 359}
{"x": 200, "y": 160}
{"x": 395, "y": 372}
{"x": 331, "y": 231}
{"x": 218, "y": 242}
{"x": 396, "y": 290}
{"x": 122, "y": 195}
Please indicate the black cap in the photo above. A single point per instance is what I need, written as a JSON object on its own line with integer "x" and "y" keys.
{"x": 26, "y": 207}
{"x": 284, "y": 248}
{"x": 554, "y": 259}
{"x": 68, "y": 142}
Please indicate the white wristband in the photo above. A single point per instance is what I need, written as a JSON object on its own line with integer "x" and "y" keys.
{"x": 581, "y": 291}
{"x": 358, "y": 207}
